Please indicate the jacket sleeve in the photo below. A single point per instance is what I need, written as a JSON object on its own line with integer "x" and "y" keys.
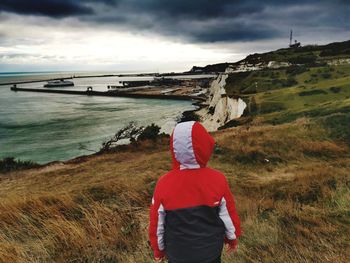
{"x": 228, "y": 214}
{"x": 156, "y": 226}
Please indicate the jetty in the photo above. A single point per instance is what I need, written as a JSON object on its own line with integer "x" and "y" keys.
{"x": 111, "y": 93}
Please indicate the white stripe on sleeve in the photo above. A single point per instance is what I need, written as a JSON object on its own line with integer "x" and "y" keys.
{"x": 160, "y": 227}
{"x": 225, "y": 217}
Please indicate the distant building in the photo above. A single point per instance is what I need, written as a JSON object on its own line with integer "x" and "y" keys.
{"x": 296, "y": 43}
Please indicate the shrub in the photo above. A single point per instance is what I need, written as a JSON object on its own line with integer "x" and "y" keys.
{"x": 335, "y": 89}
{"x": 326, "y": 75}
{"x": 338, "y": 125}
{"x": 289, "y": 82}
{"x": 284, "y": 82}
{"x": 334, "y": 52}
{"x": 265, "y": 73}
{"x": 303, "y": 59}
{"x": 312, "y": 92}
{"x": 295, "y": 70}
{"x": 268, "y": 107}
{"x": 9, "y": 164}
{"x": 149, "y": 133}
{"x": 190, "y": 115}
{"x": 129, "y": 132}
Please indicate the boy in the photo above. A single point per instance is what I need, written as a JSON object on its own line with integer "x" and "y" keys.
{"x": 193, "y": 211}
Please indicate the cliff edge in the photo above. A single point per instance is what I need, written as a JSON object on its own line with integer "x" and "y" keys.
{"x": 219, "y": 107}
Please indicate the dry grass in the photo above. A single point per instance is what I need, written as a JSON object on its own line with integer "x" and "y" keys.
{"x": 290, "y": 181}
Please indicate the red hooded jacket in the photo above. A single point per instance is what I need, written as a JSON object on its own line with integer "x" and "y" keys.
{"x": 192, "y": 209}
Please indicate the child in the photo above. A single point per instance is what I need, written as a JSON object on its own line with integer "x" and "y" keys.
{"x": 193, "y": 211}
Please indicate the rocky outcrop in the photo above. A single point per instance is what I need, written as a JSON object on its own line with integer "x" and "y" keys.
{"x": 220, "y": 108}
{"x": 278, "y": 64}
{"x": 244, "y": 66}
{"x": 339, "y": 61}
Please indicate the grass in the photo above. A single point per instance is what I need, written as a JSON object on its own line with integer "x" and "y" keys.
{"x": 290, "y": 181}
{"x": 325, "y": 97}
{"x": 84, "y": 211}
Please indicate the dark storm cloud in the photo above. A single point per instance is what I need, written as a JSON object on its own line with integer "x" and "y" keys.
{"x": 197, "y": 20}
{"x": 239, "y": 33}
{"x": 198, "y": 9}
{"x": 232, "y": 21}
{"x": 52, "y": 8}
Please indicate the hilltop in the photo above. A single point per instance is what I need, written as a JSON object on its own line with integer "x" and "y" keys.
{"x": 337, "y": 52}
{"x": 284, "y": 85}
{"x": 287, "y": 160}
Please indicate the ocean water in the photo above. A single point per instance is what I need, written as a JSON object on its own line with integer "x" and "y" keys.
{"x": 47, "y": 127}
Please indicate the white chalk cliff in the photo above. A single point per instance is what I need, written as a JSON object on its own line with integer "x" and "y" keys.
{"x": 244, "y": 66}
{"x": 221, "y": 108}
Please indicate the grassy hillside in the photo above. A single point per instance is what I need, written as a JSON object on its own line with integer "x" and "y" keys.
{"x": 277, "y": 96}
{"x": 290, "y": 180}
{"x": 288, "y": 169}
{"x": 310, "y": 54}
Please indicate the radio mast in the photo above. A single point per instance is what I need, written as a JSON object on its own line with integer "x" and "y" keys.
{"x": 291, "y": 44}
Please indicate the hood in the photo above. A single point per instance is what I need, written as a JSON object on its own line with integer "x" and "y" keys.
{"x": 191, "y": 145}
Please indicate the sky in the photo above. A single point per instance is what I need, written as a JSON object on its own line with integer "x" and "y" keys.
{"x": 157, "y": 35}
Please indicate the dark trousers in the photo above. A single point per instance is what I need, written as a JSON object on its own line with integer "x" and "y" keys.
{"x": 218, "y": 260}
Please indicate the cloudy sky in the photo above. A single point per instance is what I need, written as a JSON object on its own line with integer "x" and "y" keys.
{"x": 157, "y": 35}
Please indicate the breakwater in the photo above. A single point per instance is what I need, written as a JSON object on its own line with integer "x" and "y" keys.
{"x": 91, "y": 92}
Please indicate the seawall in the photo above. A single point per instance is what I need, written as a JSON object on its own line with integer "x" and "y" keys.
{"x": 109, "y": 94}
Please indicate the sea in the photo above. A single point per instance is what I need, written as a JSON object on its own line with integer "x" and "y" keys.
{"x": 44, "y": 127}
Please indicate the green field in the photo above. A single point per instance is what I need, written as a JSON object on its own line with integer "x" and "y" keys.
{"x": 313, "y": 90}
